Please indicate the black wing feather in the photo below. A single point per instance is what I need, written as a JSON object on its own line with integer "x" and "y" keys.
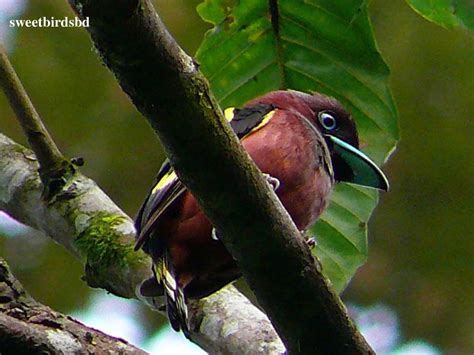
{"x": 156, "y": 203}
{"x": 247, "y": 118}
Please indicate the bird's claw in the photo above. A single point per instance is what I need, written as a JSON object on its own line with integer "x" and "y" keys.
{"x": 310, "y": 241}
{"x": 215, "y": 234}
{"x": 273, "y": 182}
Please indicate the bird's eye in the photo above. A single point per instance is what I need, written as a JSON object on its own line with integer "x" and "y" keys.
{"x": 327, "y": 120}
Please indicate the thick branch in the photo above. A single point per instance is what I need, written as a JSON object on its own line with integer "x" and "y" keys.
{"x": 166, "y": 86}
{"x": 51, "y": 161}
{"x": 223, "y": 320}
{"x": 83, "y": 211}
{"x": 28, "y": 327}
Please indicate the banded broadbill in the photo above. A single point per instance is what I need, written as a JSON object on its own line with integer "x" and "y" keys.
{"x": 303, "y": 143}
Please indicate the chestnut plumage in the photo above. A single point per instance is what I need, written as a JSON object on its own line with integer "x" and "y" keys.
{"x": 304, "y": 143}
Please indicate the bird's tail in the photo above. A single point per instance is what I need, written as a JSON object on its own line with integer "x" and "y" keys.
{"x": 174, "y": 296}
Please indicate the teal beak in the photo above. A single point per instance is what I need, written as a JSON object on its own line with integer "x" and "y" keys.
{"x": 358, "y": 167}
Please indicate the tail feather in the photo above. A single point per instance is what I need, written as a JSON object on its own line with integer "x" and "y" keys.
{"x": 175, "y": 299}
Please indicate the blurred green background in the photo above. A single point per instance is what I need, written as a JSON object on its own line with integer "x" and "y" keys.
{"x": 421, "y": 244}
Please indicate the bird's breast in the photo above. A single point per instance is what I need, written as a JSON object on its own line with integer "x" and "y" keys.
{"x": 292, "y": 152}
{"x": 287, "y": 150}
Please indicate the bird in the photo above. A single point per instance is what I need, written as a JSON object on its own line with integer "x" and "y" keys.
{"x": 302, "y": 142}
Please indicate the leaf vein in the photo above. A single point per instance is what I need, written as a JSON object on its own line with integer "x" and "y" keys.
{"x": 344, "y": 238}
{"x": 332, "y": 59}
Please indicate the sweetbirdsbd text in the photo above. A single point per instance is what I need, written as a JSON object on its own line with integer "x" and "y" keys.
{"x": 49, "y": 22}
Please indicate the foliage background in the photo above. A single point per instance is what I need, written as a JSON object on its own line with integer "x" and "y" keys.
{"x": 421, "y": 249}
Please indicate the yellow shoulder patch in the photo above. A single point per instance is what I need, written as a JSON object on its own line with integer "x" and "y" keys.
{"x": 229, "y": 113}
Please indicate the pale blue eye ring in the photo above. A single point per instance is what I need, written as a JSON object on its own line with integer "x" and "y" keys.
{"x": 327, "y": 120}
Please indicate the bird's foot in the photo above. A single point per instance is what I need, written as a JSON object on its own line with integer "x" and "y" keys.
{"x": 215, "y": 234}
{"x": 273, "y": 182}
{"x": 310, "y": 241}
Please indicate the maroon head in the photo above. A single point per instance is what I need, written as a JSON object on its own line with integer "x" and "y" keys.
{"x": 338, "y": 128}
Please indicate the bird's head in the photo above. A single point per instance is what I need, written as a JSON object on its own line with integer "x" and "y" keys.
{"x": 340, "y": 132}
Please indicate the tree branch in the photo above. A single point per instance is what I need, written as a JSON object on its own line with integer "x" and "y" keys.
{"x": 27, "y": 326}
{"x": 89, "y": 224}
{"x": 52, "y": 163}
{"x": 82, "y": 219}
{"x": 167, "y": 87}
{"x": 224, "y": 319}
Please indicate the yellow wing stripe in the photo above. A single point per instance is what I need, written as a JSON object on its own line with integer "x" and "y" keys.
{"x": 164, "y": 277}
{"x": 169, "y": 279}
{"x": 263, "y": 122}
{"x": 167, "y": 179}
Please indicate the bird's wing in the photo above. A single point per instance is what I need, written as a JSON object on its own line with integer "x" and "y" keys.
{"x": 249, "y": 119}
{"x": 168, "y": 186}
{"x": 167, "y": 189}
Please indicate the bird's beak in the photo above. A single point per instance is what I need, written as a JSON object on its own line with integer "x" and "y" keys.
{"x": 362, "y": 170}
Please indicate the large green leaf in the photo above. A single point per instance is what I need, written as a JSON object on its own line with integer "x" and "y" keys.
{"x": 320, "y": 45}
{"x": 447, "y": 13}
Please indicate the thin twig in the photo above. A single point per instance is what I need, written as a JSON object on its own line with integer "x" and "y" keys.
{"x": 49, "y": 157}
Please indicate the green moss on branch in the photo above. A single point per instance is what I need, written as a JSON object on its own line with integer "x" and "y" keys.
{"x": 109, "y": 256}
{"x": 100, "y": 242}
